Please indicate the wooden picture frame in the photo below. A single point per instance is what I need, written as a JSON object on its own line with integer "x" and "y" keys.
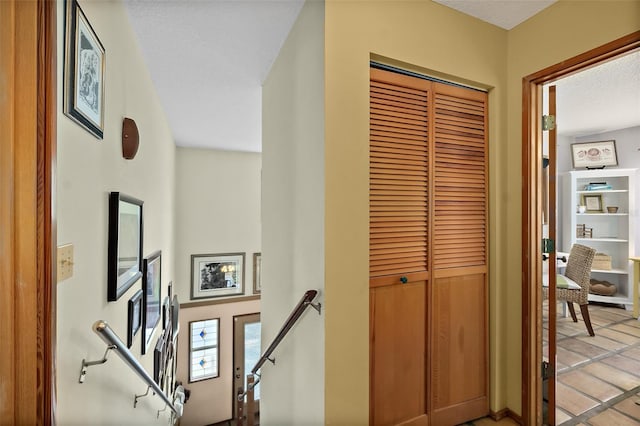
{"x": 151, "y": 288}
{"x": 217, "y": 275}
{"x": 124, "y": 263}
{"x": 593, "y": 203}
{"x": 84, "y": 72}
{"x": 594, "y": 155}
{"x": 257, "y": 273}
{"x": 134, "y": 309}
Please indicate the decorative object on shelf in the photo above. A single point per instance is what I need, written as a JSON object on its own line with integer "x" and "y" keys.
{"x": 597, "y": 186}
{"x": 257, "y": 272}
{"x": 593, "y": 203}
{"x": 582, "y": 209}
{"x": 594, "y": 154}
{"x": 124, "y": 263}
{"x": 130, "y": 138}
{"x": 602, "y": 288}
{"x": 216, "y": 275}
{"x": 612, "y": 209}
{"x": 602, "y": 261}
{"x": 151, "y": 279}
{"x": 135, "y": 317}
{"x": 583, "y": 232}
{"x": 84, "y": 71}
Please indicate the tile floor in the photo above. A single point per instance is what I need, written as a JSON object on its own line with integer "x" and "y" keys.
{"x": 598, "y": 377}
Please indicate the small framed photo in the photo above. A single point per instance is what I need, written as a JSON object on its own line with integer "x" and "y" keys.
{"x": 84, "y": 71}
{"x": 151, "y": 279}
{"x": 124, "y": 262}
{"x": 216, "y": 275}
{"x": 594, "y": 155}
{"x": 257, "y": 267}
{"x": 593, "y": 203}
{"x": 135, "y": 317}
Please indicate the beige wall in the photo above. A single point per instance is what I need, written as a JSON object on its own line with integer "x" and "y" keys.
{"x": 211, "y": 400}
{"x": 564, "y": 30}
{"x": 434, "y": 40}
{"x": 217, "y": 211}
{"x": 293, "y": 223}
{"x": 88, "y": 169}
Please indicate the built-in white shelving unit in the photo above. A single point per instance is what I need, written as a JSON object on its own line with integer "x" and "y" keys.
{"x": 612, "y": 233}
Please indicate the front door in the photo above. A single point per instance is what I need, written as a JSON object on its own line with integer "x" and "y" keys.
{"x": 246, "y": 353}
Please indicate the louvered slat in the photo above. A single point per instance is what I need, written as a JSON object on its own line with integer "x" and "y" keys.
{"x": 398, "y": 183}
{"x": 460, "y": 179}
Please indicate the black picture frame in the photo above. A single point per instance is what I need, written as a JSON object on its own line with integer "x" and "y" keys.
{"x": 159, "y": 353}
{"x": 124, "y": 263}
{"x": 134, "y": 309}
{"x": 151, "y": 289}
{"x": 84, "y": 72}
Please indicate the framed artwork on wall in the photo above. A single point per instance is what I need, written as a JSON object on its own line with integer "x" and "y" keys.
{"x": 257, "y": 269}
{"x": 84, "y": 71}
{"x": 216, "y": 275}
{"x": 135, "y": 317}
{"x": 124, "y": 263}
{"x": 151, "y": 287}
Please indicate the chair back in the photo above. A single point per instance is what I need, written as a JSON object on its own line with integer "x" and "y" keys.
{"x": 579, "y": 265}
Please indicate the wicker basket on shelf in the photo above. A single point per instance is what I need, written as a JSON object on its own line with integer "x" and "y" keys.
{"x": 602, "y": 261}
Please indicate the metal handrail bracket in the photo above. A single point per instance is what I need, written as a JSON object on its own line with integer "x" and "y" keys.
{"x": 114, "y": 343}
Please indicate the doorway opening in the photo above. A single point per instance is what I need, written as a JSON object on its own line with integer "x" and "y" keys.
{"x": 533, "y": 219}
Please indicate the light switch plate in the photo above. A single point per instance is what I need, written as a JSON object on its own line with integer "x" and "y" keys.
{"x": 65, "y": 262}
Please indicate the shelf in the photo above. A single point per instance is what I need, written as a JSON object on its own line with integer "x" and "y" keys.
{"x": 602, "y": 214}
{"x": 617, "y": 299}
{"x": 611, "y": 271}
{"x": 604, "y": 191}
{"x": 614, "y": 233}
{"x": 602, "y": 240}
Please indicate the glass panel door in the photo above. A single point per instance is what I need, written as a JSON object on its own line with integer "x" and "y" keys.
{"x": 246, "y": 352}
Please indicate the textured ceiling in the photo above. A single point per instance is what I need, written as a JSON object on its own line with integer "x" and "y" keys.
{"x": 600, "y": 99}
{"x": 502, "y": 13}
{"x": 209, "y": 58}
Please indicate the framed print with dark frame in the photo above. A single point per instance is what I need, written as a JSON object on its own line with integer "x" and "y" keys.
{"x": 124, "y": 263}
{"x": 594, "y": 155}
{"x": 217, "y": 275}
{"x": 84, "y": 71}
{"x": 257, "y": 272}
{"x": 135, "y": 317}
{"x": 151, "y": 288}
{"x": 593, "y": 203}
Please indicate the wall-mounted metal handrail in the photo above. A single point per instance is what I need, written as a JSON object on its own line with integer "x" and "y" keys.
{"x": 114, "y": 342}
{"x": 306, "y": 301}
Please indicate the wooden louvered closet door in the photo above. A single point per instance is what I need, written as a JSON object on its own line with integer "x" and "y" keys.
{"x": 424, "y": 176}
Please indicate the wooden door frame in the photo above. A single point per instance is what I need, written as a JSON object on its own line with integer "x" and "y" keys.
{"x": 532, "y": 215}
{"x": 27, "y": 217}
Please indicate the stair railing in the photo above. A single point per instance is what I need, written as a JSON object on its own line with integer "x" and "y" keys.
{"x": 303, "y": 304}
{"x": 116, "y": 344}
